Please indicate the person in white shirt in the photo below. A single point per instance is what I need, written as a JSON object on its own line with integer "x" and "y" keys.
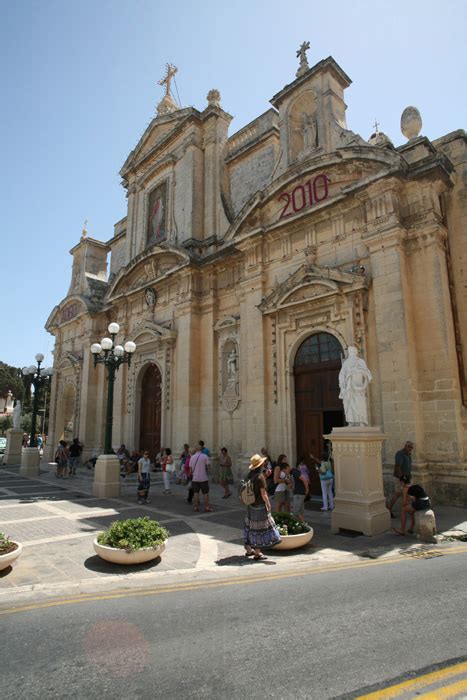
{"x": 144, "y": 478}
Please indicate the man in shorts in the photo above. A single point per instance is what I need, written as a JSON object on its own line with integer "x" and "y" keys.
{"x": 300, "y": 491}
{"x": 402, "y": 473}
{"x": 199, "y": 464}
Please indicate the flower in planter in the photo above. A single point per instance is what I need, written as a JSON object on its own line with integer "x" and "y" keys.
{"x": 6, "y": 545}
{"x": 288, "y": 525}
{"x": 134, "y": 534}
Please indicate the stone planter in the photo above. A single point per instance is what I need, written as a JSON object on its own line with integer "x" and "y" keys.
{"x": 121, "y": 556}
{"x": 7, "y": 560}
{"x": 295, "y": 541}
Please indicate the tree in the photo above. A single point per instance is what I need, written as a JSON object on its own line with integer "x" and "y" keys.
{"x": 11, "y": 379}
{"x": 5, "y": 423}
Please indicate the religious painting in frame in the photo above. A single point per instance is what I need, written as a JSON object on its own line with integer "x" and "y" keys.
{"x": 157, "y": 215}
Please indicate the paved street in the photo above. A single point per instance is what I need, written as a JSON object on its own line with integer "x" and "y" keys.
{"x": 57, "y": 520}
{"x": 323, "y": 635}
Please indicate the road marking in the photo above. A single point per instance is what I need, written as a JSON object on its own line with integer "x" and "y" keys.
{"x": 176, "y": 587}
{"x": 449, "y": 691}
{"x": 400, "y": 689}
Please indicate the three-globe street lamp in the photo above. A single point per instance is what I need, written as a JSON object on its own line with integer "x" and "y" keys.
{"x": 38, "y": 377}
{"x": 112, "y": 356}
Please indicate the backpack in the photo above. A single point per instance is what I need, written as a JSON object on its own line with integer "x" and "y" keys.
{"x": 246, "y": 492}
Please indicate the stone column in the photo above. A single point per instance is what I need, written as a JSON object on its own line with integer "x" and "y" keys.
{"x": 30, "y": 459}
{"x": 14, "y": 439}
{"x": 106, "y": 477}
{"x": 252, "y": 365}
{"x": 359, "y": 504}
{"x": 396, "y": 341}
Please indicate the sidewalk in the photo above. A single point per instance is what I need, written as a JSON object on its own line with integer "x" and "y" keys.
{"x": 57, "y": 519}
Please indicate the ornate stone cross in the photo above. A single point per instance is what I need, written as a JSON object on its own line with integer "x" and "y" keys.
{"x": 301, "y": 54}
{"x": 170, "y": 71}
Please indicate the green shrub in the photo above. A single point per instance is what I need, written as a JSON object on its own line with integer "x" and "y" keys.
{"x": 288, "y": 525}
{"x": 133, "y": 534}
{"x": 6, "y": 545}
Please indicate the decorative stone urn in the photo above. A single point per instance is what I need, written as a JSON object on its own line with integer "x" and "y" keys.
{"x": 295, "y": 541}
{"x": 7, "y": 560}
{"x": 121, "y": 556}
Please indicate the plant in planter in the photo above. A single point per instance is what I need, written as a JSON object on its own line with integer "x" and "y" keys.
{"x": 131, "y": 541}
{"x": 293, "y": 532}
{"x": 9, "y": 551}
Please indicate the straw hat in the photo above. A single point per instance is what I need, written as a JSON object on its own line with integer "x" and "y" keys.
{"x": 257, "y": 461}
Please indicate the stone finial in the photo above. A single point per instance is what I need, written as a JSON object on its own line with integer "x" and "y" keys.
{"x": 411, "y": 123}
{"x": 84, "y": 232}
{"x": 301, "y": 54}
{"x": 214, "y": 98}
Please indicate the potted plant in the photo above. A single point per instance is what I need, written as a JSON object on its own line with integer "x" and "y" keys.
{"x": 9, "y": 551}
{"x": 131, "y": 541}
{"x": 293, "y": 532}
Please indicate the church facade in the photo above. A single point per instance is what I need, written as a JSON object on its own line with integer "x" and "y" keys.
{"x": 248, "y": 263}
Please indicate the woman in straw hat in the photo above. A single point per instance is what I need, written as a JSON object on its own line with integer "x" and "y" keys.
{"x": 260, "y": 529}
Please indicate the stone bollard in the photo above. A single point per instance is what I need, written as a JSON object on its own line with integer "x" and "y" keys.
{"x": 425, "y": 525}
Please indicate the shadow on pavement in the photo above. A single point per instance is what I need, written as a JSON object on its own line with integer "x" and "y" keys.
{"x": 95, "y": 563}
{"x": 237, "y": 560}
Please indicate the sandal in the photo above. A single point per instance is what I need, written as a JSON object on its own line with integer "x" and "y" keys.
{"x": 208, "y": 509}
{"x": 249, "y": 553}
{"x": 260, "y": 557}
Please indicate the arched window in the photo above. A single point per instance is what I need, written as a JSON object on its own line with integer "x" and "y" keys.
{"x": 318, "y": 348}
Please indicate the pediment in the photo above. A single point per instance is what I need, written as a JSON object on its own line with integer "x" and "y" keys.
{"x": 156, "y": 135}
{"x": 68, "y": 310}
{"x": 310, "y": 282}
{"x": 310, "y": 291}
{"x": 146, "y": 331}
{"x": 314, "y": 184}
{"x": 150, "y": 267}
{"x": 226, "y": 322}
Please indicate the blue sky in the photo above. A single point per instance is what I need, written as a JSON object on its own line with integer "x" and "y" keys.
{"x": 79, "y": 82}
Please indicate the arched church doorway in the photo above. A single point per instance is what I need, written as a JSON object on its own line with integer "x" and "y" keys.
{"x": 151, "y": 410}
{"x": 318, "y": 408}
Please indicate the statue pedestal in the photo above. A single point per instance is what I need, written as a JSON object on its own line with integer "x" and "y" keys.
{"x": 30, "y": 459}
{"x": 106, "y": 477}
{"x": 360, "y": 504}
{"x": 14, "y": 446}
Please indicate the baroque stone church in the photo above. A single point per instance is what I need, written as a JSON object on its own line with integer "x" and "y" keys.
{"x": 248, "y": 263}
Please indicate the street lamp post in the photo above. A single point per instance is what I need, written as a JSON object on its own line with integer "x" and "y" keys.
{"x": 107, "y": 469}
{"x": 112, "y": 356}
{"x": 38, "y": 376}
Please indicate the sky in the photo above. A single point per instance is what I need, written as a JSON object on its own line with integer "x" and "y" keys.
{"x": 79, "y": 84}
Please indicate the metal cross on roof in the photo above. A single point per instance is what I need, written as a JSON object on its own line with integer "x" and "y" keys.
{"x": 170, "y": 71}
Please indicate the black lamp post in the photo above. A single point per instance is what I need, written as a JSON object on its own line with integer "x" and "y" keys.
{"x": 112, "y": 356}
{"x": 38, "y": 376}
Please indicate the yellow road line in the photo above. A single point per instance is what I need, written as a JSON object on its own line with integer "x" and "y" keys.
{"x": 92, "y": 597}
{"x": 449, "y": 691}
{"x": 395, "y": 691}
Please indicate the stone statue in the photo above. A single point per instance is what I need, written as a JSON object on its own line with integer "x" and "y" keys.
{"x": 232, "y": 364}
{"x": 17, "y": 415}
{"x": 354, "y": 379}
{"x": 309, "y": 131}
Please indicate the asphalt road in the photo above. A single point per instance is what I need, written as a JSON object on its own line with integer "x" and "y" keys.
{"x": 320, "y": 635}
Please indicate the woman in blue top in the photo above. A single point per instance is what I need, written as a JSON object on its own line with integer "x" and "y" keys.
{"x": 326, "y": 478}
